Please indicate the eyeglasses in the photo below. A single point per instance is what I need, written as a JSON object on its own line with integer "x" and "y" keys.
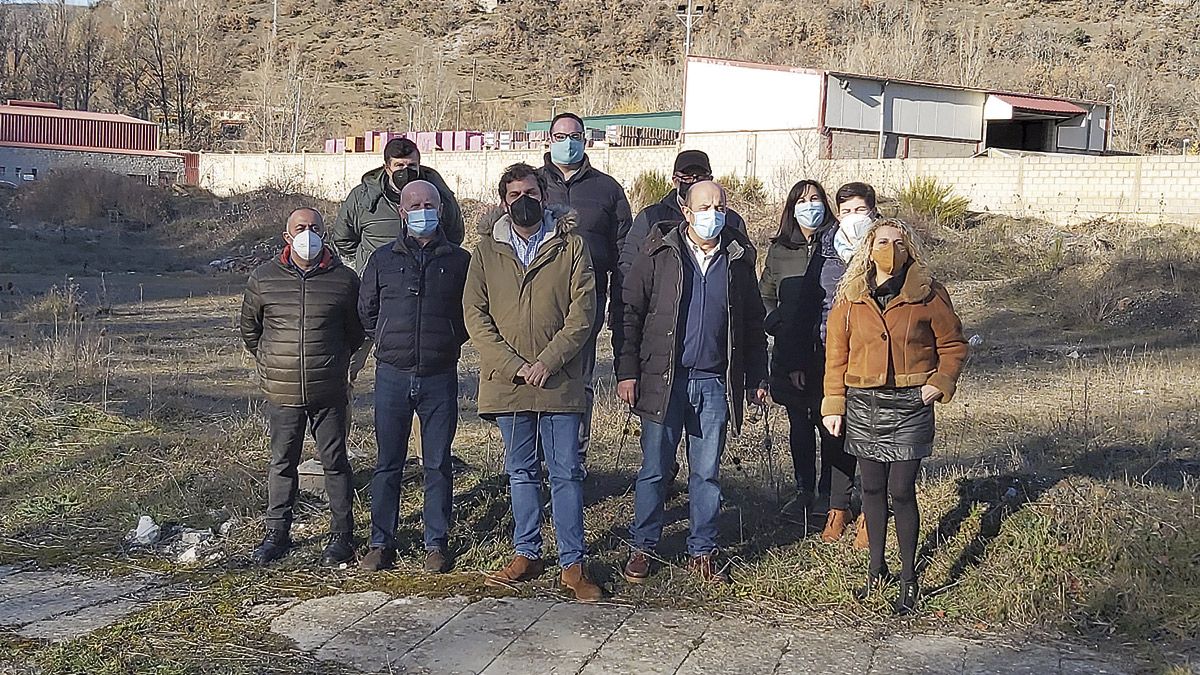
{"x": 689, "y": 179}
{"x": 575, "y": 136}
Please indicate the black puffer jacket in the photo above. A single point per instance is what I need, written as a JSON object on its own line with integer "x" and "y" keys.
{"x": 411, "y": 303}
{"x": 302, "y": 329}
{"x": 660, "y": 212}
{"x": 368, "y": 219}
{"x": 653, "y": 293}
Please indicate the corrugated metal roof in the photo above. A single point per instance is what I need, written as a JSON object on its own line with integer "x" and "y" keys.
{"x": 39, "y": 111}
{"x": 1043, "y": 105}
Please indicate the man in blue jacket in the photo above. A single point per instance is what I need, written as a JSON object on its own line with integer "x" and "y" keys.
{"x": 410, "y": 303}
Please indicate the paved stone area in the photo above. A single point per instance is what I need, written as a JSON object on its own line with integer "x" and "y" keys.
{"x": 56, "y": 605}
{"x": 373, "y": 633}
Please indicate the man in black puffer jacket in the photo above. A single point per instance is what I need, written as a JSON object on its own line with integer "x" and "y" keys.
{"x": 411, "y": 304}
{"x": 299, "y": 321}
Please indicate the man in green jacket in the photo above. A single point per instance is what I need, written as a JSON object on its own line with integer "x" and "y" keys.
{"x": 529, "y": 307}
{"x": 369, "y": 217}
{"x": 300, "y": 321}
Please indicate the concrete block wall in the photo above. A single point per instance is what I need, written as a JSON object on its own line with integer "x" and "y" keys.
{"x": 1061, "y": 188}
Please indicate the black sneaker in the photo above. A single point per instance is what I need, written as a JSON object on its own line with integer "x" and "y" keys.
{"x": 339, "y": 550}
{"x": 274, "y": 546}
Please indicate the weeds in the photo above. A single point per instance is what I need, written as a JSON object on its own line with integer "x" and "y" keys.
{"x": 927, "y": 201}
{"x": 94, "y": 197}
{"x": 744, "y": 194}
{"x": 648, "y": 188}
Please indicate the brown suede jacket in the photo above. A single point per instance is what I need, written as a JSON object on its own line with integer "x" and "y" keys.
{"x": 917, "y": 339}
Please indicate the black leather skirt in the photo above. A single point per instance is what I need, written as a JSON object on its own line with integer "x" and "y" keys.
{"x": 888, "y": 424}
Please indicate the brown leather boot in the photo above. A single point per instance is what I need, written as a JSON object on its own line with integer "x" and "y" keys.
{"x": 861, "y": 543}
{"x": 637, "y": 569}
{"x": 576, "y": 579}
{"x": 518, "y": 570}
{"x": 708, "y": 568}
{"x": 835, "y": 525}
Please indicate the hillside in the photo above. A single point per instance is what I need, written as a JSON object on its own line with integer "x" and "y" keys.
{"x": 356, "y": 64}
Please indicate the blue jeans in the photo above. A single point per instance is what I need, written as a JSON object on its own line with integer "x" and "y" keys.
{"x": 559, "y": 436}
{"x": 434, "y": 398}
{"x": 699, "y": 408}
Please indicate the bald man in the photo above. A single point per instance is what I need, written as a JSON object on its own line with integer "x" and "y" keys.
{"x": 694, "y": 346}
{"x": 300, "y": 323}
{"x": 411, "y": 305}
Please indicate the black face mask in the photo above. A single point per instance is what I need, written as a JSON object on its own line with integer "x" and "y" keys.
{"x": 401, "y": 177}
{"x": 683, "y": 189}
{"x": 526, "y": 212}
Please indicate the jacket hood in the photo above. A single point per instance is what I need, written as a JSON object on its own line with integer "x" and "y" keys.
{"x": 372, "y": 182}
{"x": 565, "y": 219}
{"x": 918, "y": 284}
{"x": 669, "y": 234}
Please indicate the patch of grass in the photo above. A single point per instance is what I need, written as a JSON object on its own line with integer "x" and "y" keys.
{"x": 925, "y": 200}
{"x": 648, "y": 188}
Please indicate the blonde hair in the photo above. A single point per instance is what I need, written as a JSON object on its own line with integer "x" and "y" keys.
{"x": 854, "y": 282}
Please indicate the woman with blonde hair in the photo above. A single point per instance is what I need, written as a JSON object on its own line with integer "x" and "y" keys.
{"x": 894, "y": 346}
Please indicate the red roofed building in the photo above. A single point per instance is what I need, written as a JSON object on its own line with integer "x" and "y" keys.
{"x": 36, "y": 138}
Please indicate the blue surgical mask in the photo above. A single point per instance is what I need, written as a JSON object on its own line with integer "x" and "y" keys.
{"x": 809, "y": 215}
{"x": 708, "y": 224}
{"x": 566, "y": 152}
{"x": 422, "y": 222}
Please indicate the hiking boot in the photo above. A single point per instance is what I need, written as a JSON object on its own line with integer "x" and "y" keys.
{"x": 378, "y": 558}
{"x": 799, "y": 506}
{"x": 835, "y": 525}
{"x": 518, "y": 570}
{"x": 861, "y": 541}
{"x": 906, "y": 604}
{"x": 575, "y": 578}
{"x": 437, "y": 561}
{"x": 637, "y": 569}
{"x": 707, "y": 567}
{"x": 274, "y": 546}
{"x": 339, "y": 550}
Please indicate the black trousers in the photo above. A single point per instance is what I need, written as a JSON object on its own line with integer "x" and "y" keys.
{"x": 328, "y": 425}
{"x": 837, "y": 467}
{"x": 899, "y": 481}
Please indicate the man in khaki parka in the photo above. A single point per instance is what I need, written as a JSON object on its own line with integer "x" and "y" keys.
{"x": 529, "y": 305}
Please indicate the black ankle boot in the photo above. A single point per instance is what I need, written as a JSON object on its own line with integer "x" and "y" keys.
{"x": 274, "y": 546}
{"x": 339, "y": 550}
{"x": 906, "y": 604}
{"x": 875, "y": 581}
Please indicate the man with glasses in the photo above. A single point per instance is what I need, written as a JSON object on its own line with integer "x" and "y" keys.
{"x": 691, "y": 167}
{"x": 603, "y": 216}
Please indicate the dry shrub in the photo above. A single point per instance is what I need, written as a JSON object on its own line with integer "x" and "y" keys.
{"x": 648, "y": 188}
{"x": 744, "y": 194}
{"x": 93, "y": 197}
{"x": 925, "y": 200}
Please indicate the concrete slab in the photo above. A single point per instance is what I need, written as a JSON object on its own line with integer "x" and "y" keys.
{"x": 9, "y": 570}
{"x": 23, "y": 583}
{"x": 920, "y": 655}
{"x": 378, "y": 640}
{"x": 1090, "y": 665}
{"x": 562, "y": 641}
{"x": 314, "y": 622}
{"x": 986, "y": 659}
{"x": 757, "y": 646}
{"x": 33, "y": 607}
{"x": 842, "y": 652}
{"x": 651, "y": 641}
{"x": 475, "y": 637}
{"x": 84, "y": 621}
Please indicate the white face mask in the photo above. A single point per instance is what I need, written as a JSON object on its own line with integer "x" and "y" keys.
{"x": 851, "y": 230}
{"x": 307, "y": 245}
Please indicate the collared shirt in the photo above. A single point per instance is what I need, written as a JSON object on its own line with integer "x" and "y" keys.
{"x": 526, "y": 249}
{"x": 703, "y": 259}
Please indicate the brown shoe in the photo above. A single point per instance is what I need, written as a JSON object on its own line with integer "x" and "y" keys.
{"x": 861, "y": 542}
{"x": 835, "y": 525}
{"x": 708, "y": 568}
{"x": 378, "y": 558}
{"x": 637, "y": 570}
{"x": 518, "y": 570}
{"x": 437, "y": 561}
{"x": 576, "y": 579}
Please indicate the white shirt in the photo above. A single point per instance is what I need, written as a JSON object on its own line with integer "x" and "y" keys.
{"x": 703, "y": 259}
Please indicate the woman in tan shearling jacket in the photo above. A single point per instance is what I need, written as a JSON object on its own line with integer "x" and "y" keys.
{"x": 894, "y": 347}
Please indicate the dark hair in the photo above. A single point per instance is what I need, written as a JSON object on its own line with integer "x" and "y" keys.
{"x": 520, "y": 171}
{"x": 787, "y": 221}
{"x": 567, "y": 115}
{"x": 399, "y": 147}
{"x": 851, "y": 190}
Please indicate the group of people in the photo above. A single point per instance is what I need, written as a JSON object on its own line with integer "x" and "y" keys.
{"x": 865, "y": 341}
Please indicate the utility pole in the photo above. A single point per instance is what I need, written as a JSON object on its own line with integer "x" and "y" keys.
{"x": 688, "y": 13}
{"x": 474, "y": 69}
{"x": 296, "y": 119}
{"x": 274, "y": 21}
{"x": 1112, "y": 113}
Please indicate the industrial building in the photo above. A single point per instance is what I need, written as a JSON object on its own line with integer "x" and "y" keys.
{"x": 848, "y": 116}
{"x": 36, "y": 138}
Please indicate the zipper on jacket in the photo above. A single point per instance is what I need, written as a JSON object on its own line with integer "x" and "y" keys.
{"x": 303, "y": 365}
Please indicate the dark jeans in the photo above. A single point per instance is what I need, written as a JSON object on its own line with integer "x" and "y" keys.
{"x": 557, "y": 434}
{"x": 837, "y": 467}
{"x": 328, "y": 428}
{"x": 434, "y": 399}
{"x": 699, "y": 409}
{"x": 899, "y": 480}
